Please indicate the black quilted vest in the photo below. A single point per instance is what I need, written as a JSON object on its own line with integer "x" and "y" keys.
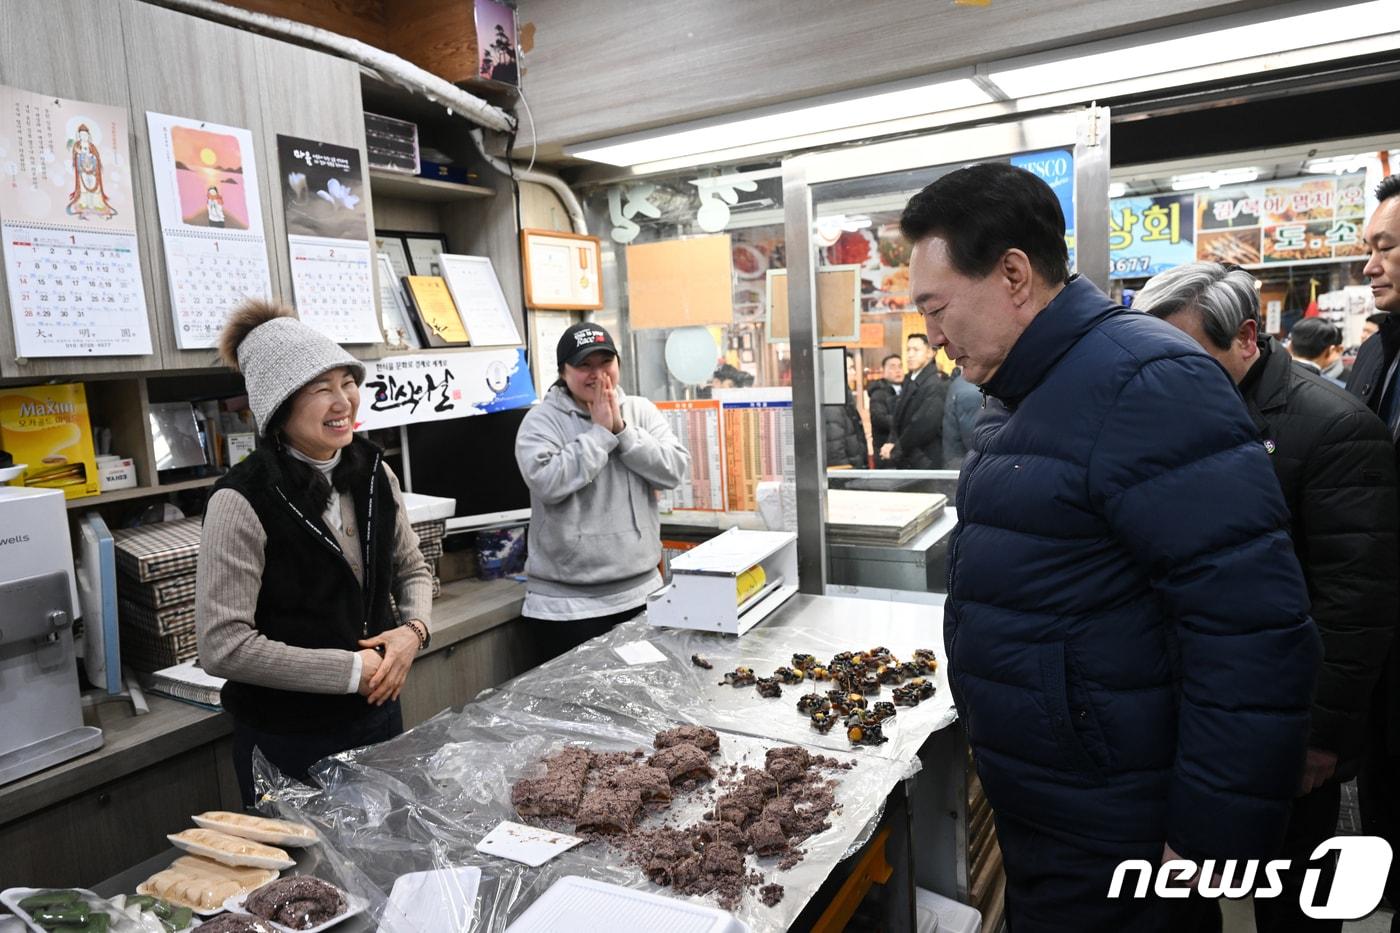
{"x": 310, "y": 597}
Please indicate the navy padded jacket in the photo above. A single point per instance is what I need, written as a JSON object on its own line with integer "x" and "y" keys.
{"x": 1127, "y": 627}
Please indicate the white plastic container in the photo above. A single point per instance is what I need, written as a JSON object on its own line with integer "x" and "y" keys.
{"x": 938, "y": 914}
{"x": 582, "y": 905}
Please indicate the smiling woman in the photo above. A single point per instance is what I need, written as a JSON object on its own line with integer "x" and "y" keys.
{"x": 304, "y": 544}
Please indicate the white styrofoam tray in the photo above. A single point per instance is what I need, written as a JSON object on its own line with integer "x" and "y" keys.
{"x": 581, "y": 905}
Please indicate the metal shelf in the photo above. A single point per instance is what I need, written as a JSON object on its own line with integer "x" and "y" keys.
{"x": 414, "y": 188}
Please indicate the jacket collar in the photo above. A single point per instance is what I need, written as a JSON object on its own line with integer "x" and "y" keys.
{"x": 1389, "y": 332}
{"x": 1076, "y": 310}
{"x": 1269, "y": 390}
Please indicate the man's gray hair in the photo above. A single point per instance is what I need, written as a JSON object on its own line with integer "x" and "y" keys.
{"x": 1223, "y": 296}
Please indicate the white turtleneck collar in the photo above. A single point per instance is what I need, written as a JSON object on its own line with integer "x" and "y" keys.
{"x": 333, "y": 515}
{"x": 325, "y": 466}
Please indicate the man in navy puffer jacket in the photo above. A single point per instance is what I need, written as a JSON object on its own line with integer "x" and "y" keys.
{"x": 1128, "y": 638}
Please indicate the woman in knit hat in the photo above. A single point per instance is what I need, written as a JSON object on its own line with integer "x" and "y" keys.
{"x": 595, "y": 460}
{"x": 304, "y": 543}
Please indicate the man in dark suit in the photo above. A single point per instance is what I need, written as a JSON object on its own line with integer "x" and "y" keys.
{"x": 916, "y": 440}
{"x": 1375, "y": 381}
{"x": 883, "y": 394}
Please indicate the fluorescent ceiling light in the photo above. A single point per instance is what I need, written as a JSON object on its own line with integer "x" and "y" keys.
{"x": 1339, "y": 165}
{"x": 776, "y": 126}
{"x": 1229, "y": 176}
{"x": 1289, "y": 33}
{"x": 1116, "y": 189}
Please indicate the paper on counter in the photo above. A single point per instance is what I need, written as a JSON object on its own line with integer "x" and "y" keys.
{"x": 639, "y": 652}
{"x": 529, "y": 845}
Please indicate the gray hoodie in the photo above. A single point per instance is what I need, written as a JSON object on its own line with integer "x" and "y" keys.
{"x": 595, "y": 527}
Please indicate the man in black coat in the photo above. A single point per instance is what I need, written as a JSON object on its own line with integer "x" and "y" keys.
{"x": 843, "y": 429}
{"x": 916, "y": 441}
{"x": 1373, "y": 380}
{"x": 1336, "y": 468}
{"x": 883, "y": 394}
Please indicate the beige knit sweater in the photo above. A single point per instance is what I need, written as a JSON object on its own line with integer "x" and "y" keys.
{"x": 229, "y": 576}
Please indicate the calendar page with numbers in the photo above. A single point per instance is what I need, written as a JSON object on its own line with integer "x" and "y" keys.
{"x": 72, "y": 266}
{"x": 211, "y": 220}
{"x": 328, "y": 239}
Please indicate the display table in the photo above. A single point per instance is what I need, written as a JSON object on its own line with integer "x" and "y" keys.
{"x": 423, "y": 800}
{"x": 91, "y": 817}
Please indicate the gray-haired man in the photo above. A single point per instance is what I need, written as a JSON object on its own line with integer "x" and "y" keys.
{"x": 1335, "y": 463}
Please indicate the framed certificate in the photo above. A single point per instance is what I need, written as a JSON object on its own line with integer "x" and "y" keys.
{"x": 412, "y": 253}
{"x": 437, "y": 315}
{"x": 561, "y": 271}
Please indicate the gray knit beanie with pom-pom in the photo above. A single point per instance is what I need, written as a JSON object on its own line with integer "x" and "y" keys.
{"x": 277, "y": 355}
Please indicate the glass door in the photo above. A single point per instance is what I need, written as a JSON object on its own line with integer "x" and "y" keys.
{"x": 874, "y": 512}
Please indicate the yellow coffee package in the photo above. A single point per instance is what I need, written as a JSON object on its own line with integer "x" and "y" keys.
{"x": 47, "y": 429}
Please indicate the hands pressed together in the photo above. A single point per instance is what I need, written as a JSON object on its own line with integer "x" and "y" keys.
{"x": 383, "y": 676}
{"x": 604, "y": 409}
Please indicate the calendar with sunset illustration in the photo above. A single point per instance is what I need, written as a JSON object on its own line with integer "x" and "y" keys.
{"x": 211, "y": 220}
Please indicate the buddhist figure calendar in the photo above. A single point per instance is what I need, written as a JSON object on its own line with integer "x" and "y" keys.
{"x": 68, "y": 221}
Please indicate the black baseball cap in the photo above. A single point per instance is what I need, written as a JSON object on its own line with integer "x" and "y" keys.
{"x": 576, "y": 343}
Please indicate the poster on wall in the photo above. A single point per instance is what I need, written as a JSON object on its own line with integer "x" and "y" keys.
{"x": 495, "y": 41}
{"x": 1055, "y": 167}
{"x": 211, "y": 221}
{"x": 546, "y": 327}
{"x": 697, "y": 423}
{"x": 328, "y": 238}
{"x": 1294, "y": 220}
{"x": 757, "y": 444}
{"x": 416, "y": 388}
{"x": 1147, "y": 235}
{"x": 68, "y": 221}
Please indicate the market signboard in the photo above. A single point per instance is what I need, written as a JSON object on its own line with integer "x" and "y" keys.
{"x": 1280, "y": 222}
{"x": 1147, "y": 235}
{"x": 1289, "y": 221}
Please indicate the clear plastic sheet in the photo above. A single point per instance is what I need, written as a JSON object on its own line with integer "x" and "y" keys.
{"x": 420, "y": 802}
{"x": 594, "y": 675}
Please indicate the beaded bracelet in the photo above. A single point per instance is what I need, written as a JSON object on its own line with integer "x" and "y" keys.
{"x": 420, "y": 631}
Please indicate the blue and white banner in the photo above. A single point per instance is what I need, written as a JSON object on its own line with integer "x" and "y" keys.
{"x": 438, "y": 387}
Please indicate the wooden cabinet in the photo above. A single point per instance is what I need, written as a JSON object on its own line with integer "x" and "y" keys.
{"x": 108, "y": 828}
{"x": 453, "y": 675}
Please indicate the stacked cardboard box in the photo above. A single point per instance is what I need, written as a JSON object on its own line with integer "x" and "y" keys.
{"x": 430, "y": 535}
{"x": 156, "y": 588}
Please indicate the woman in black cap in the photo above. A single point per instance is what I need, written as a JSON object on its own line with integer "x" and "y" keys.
{"x": 595, "y": 460}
